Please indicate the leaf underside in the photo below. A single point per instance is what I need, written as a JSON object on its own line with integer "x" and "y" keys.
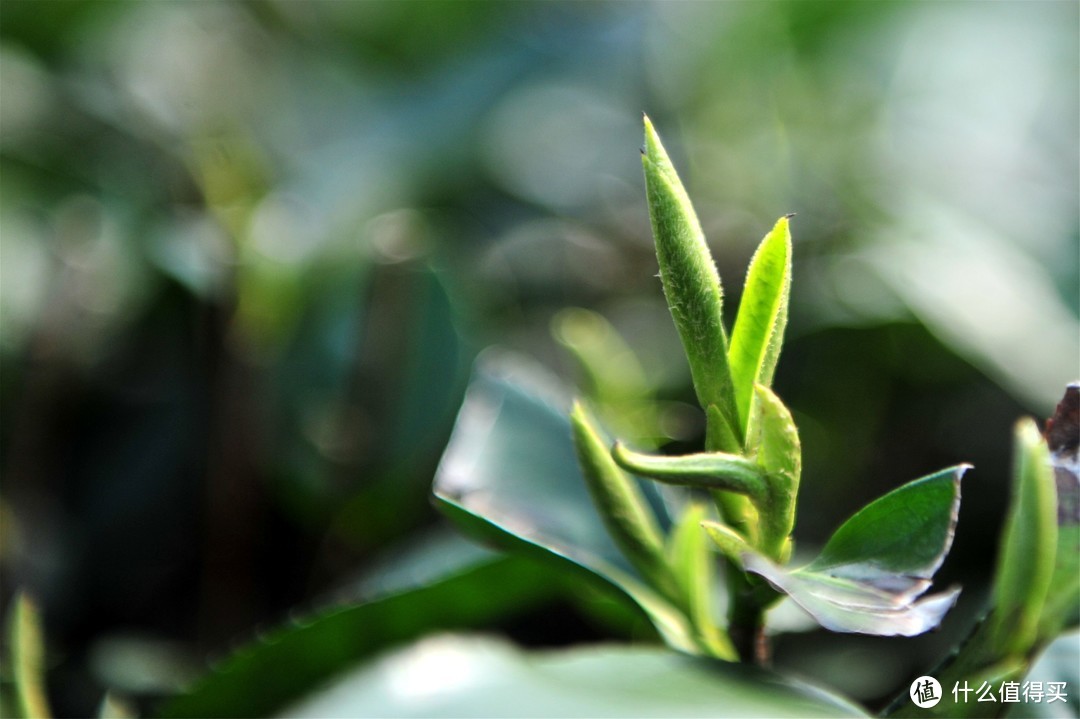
{"x": 870, "y": 576}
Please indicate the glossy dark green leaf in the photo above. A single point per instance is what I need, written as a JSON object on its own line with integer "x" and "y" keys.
{"x": 907, "y": 532}
{"x": 450, "y": 676}
{"x": 292, "y": 660}
{"x": 691, "y": 282}
{"x": 759, "y": 326}
{"x": 870, "y": 575}
{"x": 510, "y": 475}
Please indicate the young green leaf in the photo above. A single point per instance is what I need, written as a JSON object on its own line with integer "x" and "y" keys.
{"x": 779, "y": 454}
{"x": 27, "y": 649}
{"x": 1026, "y": 560}
{"x": 872, "y": 570}
{"x": 622, "y": 508}
{"x": 612, "y": 377}
{"x": 730, "y": 543}
{"x": 692, "y": 563}
{"x": 510, "y": 475}
{"x": 905, "y": 533}
{"x": 763, "y": 310}
{"x": 691, "y": 282}
{"x": 706, "y": 470}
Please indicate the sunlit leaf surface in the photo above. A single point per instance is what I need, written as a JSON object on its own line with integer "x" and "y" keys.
{"x": 451, "y": 676}
{"x": 510, "y": 475}
{"x": 871, "y": 573}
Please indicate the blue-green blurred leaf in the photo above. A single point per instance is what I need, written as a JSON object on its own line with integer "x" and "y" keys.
{"x": 473, "y": 677}
{"x": 510, "y": 475}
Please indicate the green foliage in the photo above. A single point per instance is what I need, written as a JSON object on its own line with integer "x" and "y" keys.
{"x": 1029, "y": 547}
{"x": 691, "y": 285}
{"x": 623, "y": 509}
{"x": 485, "y": 677}
{"x": 26, "y": 646}
{"x": 879, "y": 562}
{"x": 763, "y": 311}
{"x": 293, "y": 660}
{"x": 1034, "y": 594}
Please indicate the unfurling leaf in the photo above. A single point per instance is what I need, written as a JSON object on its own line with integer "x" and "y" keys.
{"x": 759, "y": 326}
{"x": 691, "y": 283}
{"x": 779, "y": 453}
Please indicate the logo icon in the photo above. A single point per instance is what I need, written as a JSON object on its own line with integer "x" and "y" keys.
{"x": 925, "y": 692}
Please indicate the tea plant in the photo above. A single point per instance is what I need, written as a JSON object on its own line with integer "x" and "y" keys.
{"x": 542, "y": 477}
{"x": 868, "y": 578}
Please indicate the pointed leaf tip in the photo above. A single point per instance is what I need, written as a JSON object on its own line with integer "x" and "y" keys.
{"x": 871, "y": 574}
{"x": 763, "y": 312}
{"x": 690, "y": 280}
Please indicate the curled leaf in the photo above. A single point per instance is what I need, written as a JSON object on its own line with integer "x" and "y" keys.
{"x": 706, "y": 470}
{"x": 871, "y": 573}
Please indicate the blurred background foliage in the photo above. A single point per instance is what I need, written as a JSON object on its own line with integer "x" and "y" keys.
{"x": 249, "y": 251}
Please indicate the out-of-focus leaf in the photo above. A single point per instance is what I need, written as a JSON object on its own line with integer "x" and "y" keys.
{"x": 691, "y": 282}
{"x": 1062, "y": 607}
{"x": 622, "y": 507}
{"x": 1059, "y": 662}
{"x": 114, "y": 707}
{"x": 1026, "y": 562}
{"x": 759, "y": 326}
{"x": 510, "y": 475}
{"x": 473, "y": 677}
{"x": 871, "y": 572}
{"x": 612, "y": 378}
{"x": 27, "y": 647}
{"x": 693, "y": 564}
{"x": 1031, "y": 591}
{"x": 261, "y": 677}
